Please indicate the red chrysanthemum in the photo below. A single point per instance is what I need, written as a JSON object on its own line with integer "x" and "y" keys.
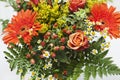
{"x": 108, "y": 19}
{"x": 22, "y": 25}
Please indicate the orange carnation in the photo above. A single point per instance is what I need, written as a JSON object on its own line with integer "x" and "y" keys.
{"x": 22, "y": 25}
{"x": 77, "y": 41}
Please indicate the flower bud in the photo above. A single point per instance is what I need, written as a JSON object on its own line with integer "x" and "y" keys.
{"x": 56, "y": 48}
{"x": 54, "y": 36}
{"x": 62, "y": 47}
{"x": 48, "y": 33}
{"x": 28, "y": 55}
{"x": 32, "y": 61}
{"x": 53, "y": 55}
{"x": 43, "y": 43}
{"x": 62, "y": 39}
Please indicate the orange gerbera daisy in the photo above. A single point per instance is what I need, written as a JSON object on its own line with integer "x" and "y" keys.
{"x": 105, "y": 17}
{"x": 22, "y": 25}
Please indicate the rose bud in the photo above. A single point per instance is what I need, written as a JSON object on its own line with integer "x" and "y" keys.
{"x": 28, "y": 55}
{"x": 32, "y": 61}
{"x": 30, "y": 47}
{"x": 74, "y": 26}
{"x": 46, "y": 37}
{"x": 53, "y": 55}
{"x": 55, "y": 25}
{"x": 68, "y": 31}
{"x": 54, "y": 36}
{"x": 34, "y": 53}
{"x": 41, "y": 56}
{"x": 64, "y": 30}
{"x": 62, "y": 47}
{"x": 48, "y": 34}
{"x": 62, "y": 39}
{"x": 43, "y": 43}
{"x": 65, "y": 72}
{"x": 56, "y": 48}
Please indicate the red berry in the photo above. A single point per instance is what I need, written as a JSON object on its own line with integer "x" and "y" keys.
{"x": 74, "y": 26}
{"x": 28, "y": 55}
{"x": 33, "y": 53}
{"x": 64, "y": 30}
{"x": 56, "y": 48}
{"x": 32, "y": 61}
{"x": 55, "y": 25}
{"x": 48, "y": 34}
{"x": 46, "y": 37}
{"x": 68, "y": 31}
{"x": 65, "y": 72}
{"x": 54, "y": 36}
{"x": 62, "y": 47}
{"x": 62, "y": 39}
{"x": 53, "y": 55}
{"x": 41, "y": 56}
{"x": 43, "y": 43}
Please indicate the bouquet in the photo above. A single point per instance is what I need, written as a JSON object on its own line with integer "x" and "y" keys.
{"x": 59, "y": 40}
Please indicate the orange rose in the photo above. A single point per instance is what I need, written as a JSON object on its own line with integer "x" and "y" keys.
{"x": 77, "y": 41}
{"x": 75, "y": 4}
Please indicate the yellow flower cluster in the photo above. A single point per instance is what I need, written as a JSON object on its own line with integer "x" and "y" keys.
{"x": 90, "y": 3}
{"x": 51, "y": 14}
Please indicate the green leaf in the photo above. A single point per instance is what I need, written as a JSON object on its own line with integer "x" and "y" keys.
{"x": 100, "y": 72}
{"x": 4, "y": 24}
{"x": 13, "y": 51}
{"x": 13, "y": 65}
{"x": 104, "y": 70}
{"x": 77, "y": 71}
{"x": 93, "y": 71}
{"x": 102, "y": 55}
{"x": 87, "y": 73}
{"x": 8, "y": 55}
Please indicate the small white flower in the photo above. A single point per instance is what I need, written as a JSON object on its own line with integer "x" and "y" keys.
{"x": 45, "y": 66}
{"x": 89, "y": 29}
{"x": 46, "y": 54}
{"x": 107, "y": 45}
{"x": 39, "y": 41}
{"x": 40, "y": 47}
{"x": 50, "y": 77}
{"x": 94, "y": 51}
{"x": 49, "y": 64}
{"x": 103, "y": 45}
{"x": 93, "y": 33}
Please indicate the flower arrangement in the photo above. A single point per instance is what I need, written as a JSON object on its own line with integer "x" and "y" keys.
{"x": 59, "y": 40}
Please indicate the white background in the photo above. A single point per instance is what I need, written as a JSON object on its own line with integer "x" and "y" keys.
{"x": 6, "y": 74}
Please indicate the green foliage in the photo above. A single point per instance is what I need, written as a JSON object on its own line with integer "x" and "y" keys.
{"x": 103, "y": 66}
{"x": 16, "y": 58}
{"x": 4, "y": 23}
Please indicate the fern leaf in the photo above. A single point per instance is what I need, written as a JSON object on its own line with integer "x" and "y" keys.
{"x": 8, "y": 55}
{"x": 87, "y": 73}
